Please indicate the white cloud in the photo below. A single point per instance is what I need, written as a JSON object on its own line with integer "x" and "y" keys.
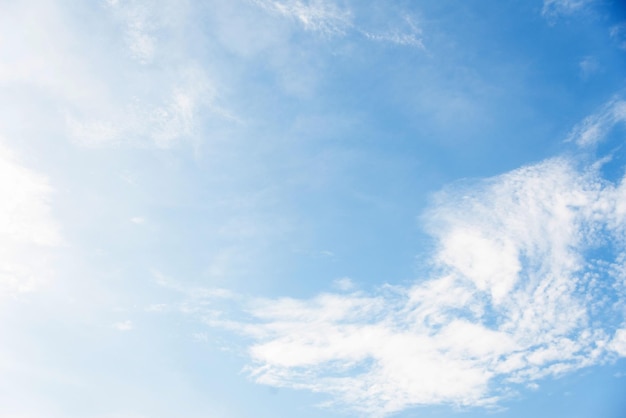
{"x": 124, "y": 326}
{"x": 594, "y": 128}
{"x": 139, "y": 113}
{"x": 512, "y": 300}
{"x": 27, "y": 228}
{"x": 563, "y": 7}
{"x": 320, "y": 16}
{"x": 618, "y": 343}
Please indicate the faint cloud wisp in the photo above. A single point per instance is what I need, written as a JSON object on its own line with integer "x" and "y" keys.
{"x": 552, "y": 8}
{"x": 595, "y": 127}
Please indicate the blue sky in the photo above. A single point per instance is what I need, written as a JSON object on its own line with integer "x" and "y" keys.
{"x": 324, "y": 208}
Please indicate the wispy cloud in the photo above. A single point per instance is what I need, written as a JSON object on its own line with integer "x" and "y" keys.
{"x": 139, "y": 22}
{"x": 27, "y": 227}
{"x": 344, "y": 284}
{"x": 552, "y": 8}
{"x": 513, "y": 297}
{"x": 408, "y": 39}
{"x": 138, "y": 220}
{"x": 321, "y": 16}
{"x": 588, "y": 66}
{"x": 142, "y": 120}
{"x": 148, "y": 92}
{"x": 594, "y": 128}
{"x": 326, "y": 17}
{"x": 163, "y": 117}
{"x": 408, "y": 33}
{"x": 124, "y": 326}
{"x": 618, "y": 343}
{"x": 618, "y": 34}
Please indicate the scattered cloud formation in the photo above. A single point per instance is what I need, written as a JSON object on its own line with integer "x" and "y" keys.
{"x": 514, "y": 298}
{"x": 27, "y": 228}
{"x": 594, "y": 128}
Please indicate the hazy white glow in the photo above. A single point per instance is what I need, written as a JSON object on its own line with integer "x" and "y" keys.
{"x": 27, "y": 228}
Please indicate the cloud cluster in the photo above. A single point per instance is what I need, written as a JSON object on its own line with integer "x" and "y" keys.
{"x": 514, "y": 298}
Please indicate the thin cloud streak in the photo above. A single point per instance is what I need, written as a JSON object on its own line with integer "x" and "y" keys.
{"x": 328, "y": 19}
{"x": 594, "y": 128}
